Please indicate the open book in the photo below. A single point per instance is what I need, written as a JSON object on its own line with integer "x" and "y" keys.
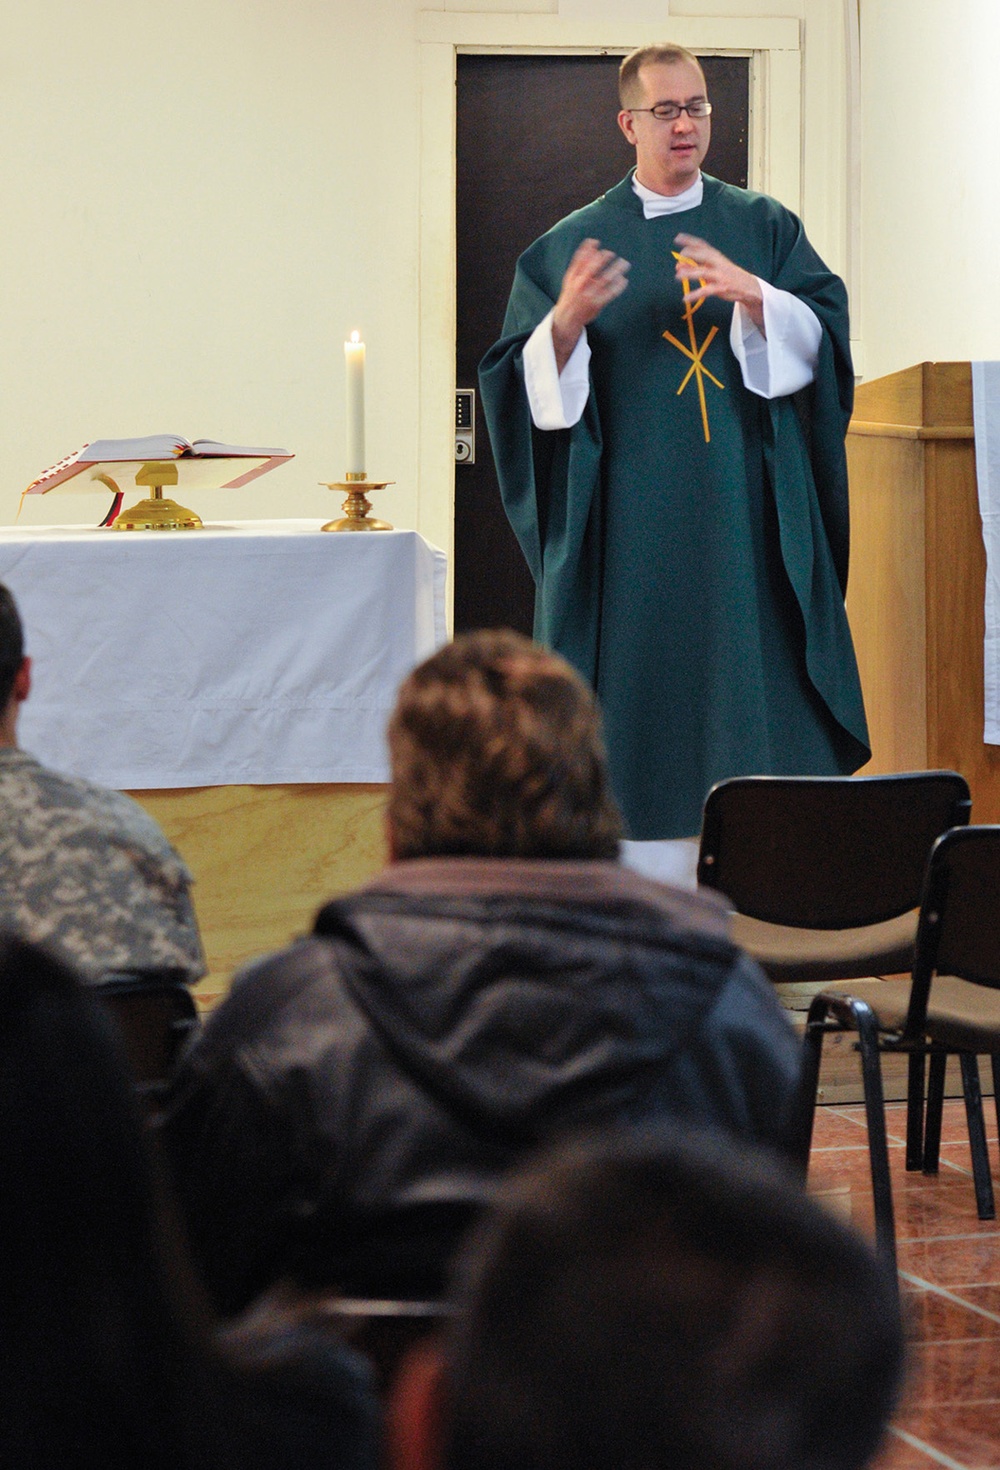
{"x": 125, "y": 457}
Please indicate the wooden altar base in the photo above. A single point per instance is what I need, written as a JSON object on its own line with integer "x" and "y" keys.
{"x": 265, "y": 858}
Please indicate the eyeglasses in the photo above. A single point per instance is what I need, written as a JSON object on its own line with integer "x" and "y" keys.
{"x": 671, "y": 111}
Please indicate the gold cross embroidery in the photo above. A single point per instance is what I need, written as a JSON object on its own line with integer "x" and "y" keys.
{"x": 695, "y": 352}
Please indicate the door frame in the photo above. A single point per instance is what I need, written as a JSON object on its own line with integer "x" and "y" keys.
{"x": 775, "y": 162}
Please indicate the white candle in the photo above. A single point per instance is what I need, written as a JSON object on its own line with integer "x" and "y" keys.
{"x": 354, "y": 362}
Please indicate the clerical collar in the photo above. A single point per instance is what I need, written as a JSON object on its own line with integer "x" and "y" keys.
{"x": 654, "y": 204}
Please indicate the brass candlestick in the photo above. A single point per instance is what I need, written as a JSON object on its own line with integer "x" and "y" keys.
{"x": 357, "y": 505}
{"x": 158, "y": 513}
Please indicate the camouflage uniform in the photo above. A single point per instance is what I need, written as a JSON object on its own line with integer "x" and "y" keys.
{"x": 85, "y": 870}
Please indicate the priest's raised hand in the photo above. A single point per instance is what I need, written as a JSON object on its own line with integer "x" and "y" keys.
{"x": 714, "y": 274}
{"x": 593, "y": 278}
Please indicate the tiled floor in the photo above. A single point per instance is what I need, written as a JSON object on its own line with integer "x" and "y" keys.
{"x": 949, "y": 1263}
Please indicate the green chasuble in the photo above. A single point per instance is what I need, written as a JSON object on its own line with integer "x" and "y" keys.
{"x": 688, "y": 538}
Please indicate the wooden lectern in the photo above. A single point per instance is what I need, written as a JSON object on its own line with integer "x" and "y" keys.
{"x": 917, "y": 579}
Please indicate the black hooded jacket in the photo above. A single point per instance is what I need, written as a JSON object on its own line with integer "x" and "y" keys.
{"x": 352, "y": 1104}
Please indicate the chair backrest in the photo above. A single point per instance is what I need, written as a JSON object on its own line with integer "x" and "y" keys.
{"x": 959, "y": 928}
{"x": 156, "y": 1015}
{"x": 826, "y": 852}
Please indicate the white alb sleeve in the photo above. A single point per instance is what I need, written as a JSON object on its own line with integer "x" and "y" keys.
{"x": 556, "y": 400}
{"x": 784, "y": 360}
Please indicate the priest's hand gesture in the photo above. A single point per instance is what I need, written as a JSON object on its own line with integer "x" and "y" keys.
{"x": 714, "y": 275}
{"x": 593, "y": 278}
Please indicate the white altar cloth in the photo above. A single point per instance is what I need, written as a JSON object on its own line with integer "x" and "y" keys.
{"x": 252, "y": 652}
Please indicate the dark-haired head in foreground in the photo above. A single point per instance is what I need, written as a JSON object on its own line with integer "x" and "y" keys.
{"x": 96, "y": 1367}
{"x": 106, "y": 1358}
{"x": 654, "y": 1304}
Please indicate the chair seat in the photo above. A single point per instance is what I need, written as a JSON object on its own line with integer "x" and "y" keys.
{"x": 788, "y": 954}
{"x": 960, "y": 1014}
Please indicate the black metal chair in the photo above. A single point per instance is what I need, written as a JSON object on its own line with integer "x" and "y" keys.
{"x": 384, "y": 1331}
{"x": 950, "y": 1006}
{"x": 157, "y": 1016}
{"x": 825, "y": 876}
{"x": 825, "y": 873}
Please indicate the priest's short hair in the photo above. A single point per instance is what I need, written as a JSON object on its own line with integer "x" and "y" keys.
{"x": 660, "y": 54}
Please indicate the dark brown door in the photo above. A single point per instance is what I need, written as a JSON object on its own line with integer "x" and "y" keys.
{"x": 537, "y": 137}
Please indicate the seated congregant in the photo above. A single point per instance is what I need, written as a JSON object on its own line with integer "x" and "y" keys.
{"x": 353, "y": 1103}
{"x": 84, "y": 869}
{"x": 652, "y": 1303}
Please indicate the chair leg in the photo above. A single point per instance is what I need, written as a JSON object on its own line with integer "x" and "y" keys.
{"x": 800, "y": 1127}
{"x": 878, "y": 1149}
{"x": 977, "y": 1136}
{"x": 995, "y": 1068}
{"x": 915, "y": 1110}
{"x": 935, "y": 1111}
{"x": 857, "y": 1015}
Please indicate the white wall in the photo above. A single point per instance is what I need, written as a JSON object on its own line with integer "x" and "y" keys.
{"x": 201, "y": 199}
{"x": 931, "y": 181}
{"x": 823, "y": 202}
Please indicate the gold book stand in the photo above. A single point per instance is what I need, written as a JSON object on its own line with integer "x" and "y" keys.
{"x": 158, "y": 513}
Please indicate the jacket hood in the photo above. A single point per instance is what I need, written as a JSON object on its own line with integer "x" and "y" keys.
{"x": 517, "y": 991}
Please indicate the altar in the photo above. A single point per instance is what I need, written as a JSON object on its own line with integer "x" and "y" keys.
{"x": 237, "y": 681}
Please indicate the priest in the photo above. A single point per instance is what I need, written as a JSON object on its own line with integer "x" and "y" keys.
{"x": 667, "y": 407}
